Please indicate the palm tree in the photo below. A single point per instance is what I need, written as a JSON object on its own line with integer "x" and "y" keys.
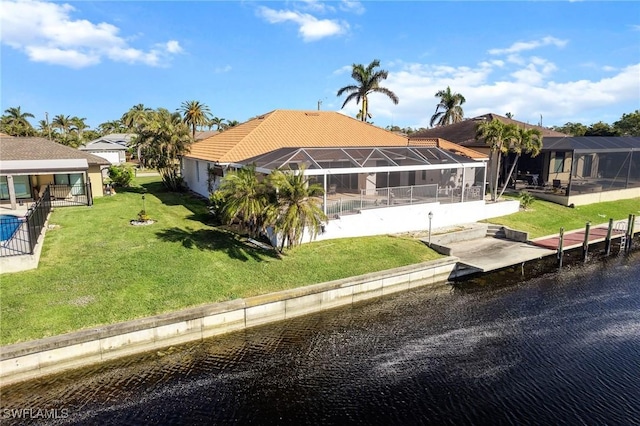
{"x": 368, "y": 81}
{"x": 298, "y": 207}
{"x": 195, "y": 114}
{"x": 134, "y": 117}
{"x": 62, "y": 122}
{"x": 230, "y": 123}
{"x": 163, "y": 139}
{"x": 245, "y": 199}
{"x": 498, "y": 136}
{"x": 449, "y": 110}
{"x": 78, "y": 125}
{"x": 216, "y": 121}
{"x": 524, "y": 140}
{"x": 14, "y": 122}
{"x": 114, "y": 126}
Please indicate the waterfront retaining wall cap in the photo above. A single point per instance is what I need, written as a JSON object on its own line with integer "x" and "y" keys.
{"x": 101, "y": 332}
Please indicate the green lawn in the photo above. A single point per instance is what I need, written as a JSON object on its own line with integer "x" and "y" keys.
{"x": 545, "y": 218}
{"x": 96, "y": 268}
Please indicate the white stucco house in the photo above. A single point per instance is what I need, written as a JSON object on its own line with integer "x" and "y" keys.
{"x": 375, "y": 181}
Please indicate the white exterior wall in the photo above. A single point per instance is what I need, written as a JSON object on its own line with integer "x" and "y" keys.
{"x": 194, "y": 173}
{"x": 393, "y": 220}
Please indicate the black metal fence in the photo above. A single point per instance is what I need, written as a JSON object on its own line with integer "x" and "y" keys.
{"x": 71, "y": 195}
{"x": 20, "y": 234}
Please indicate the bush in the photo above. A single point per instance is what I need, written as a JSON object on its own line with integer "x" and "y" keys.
{"x": 216, "y": 203}
{"x": 143, "y": 216}
{"x": 121, "y": 175}
{"x": 526, "y": 199}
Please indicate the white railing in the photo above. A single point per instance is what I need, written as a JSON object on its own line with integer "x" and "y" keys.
{"x": 341, "y": 204}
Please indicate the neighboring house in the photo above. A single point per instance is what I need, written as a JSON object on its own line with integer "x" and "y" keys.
{"x": 569, "y": 170}
{"x": 29, "y": 164}
{"x": 112, "y": 151}
{"x": 582, "y": 170}
{"x": 364, "y": 169}
{"x": 464, "y": 132}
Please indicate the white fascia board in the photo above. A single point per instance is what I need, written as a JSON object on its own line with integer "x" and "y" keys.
{"x": 43, "y": 166}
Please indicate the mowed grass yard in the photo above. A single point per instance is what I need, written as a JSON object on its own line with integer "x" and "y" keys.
{"x": 98, "y": 269}
{"x": 546, "y": 218}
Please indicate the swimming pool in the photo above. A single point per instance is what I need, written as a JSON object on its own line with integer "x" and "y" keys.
{"x": 8, "y": 226}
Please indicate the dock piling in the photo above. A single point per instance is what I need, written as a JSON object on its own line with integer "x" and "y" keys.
{"x": 560, "y": 249}
{"x": 585, "y": 244}
{"x": 607, "y": 241}
{"x": 632, "y": 221}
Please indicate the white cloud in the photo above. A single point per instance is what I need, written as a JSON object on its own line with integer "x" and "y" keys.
{"x": 46, "y": 32}
{"x": 352, "y": 6}
{"x": 521, "y": 46}
{"x": 309, "y": 27}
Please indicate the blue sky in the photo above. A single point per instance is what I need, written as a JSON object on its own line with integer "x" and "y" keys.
{"x": 565, "y": 61}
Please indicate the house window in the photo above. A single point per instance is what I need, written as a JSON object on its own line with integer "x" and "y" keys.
{"x": 20, "y": 185}
{"x": 424, "y": 175}
{"x": 558, "y": 162}
{"x": 74, "y": 180}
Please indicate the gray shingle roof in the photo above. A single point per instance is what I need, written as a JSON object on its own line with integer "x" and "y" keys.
{"x": 31, "y": 148}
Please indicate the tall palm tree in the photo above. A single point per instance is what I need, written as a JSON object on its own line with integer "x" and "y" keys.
{"x": 134, "y": 117}
{"x": 449, "y": 110}
{"x": 524, "y": 140}
{"x": 499, "y": 137}
{"x": 62, "y": 122}
{"x": 163, "y": 140}
{"x": 195, "y": 114}
{"x": 298, "y": 207}
{"x": 78, "y": 125}
{"x": 14, "y": 122}
{"x": 245, "y": 199}
{"x": 368, "y": 81}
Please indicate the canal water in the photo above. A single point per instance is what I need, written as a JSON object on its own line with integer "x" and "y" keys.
{"x": 561, "y": 348}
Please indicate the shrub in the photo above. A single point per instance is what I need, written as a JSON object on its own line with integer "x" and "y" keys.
{"x": 216, "y": 203}
{"x": 526, "y": 199}
{"x": 143, "y": 216}
{"x": 121, "y": 175}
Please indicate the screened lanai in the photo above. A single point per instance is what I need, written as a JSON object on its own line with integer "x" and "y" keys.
{"x": 584, "y": 165}
{"x": 361, "y": 178}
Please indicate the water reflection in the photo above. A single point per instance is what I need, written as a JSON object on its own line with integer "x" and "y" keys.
{"x": 557, "y": 349}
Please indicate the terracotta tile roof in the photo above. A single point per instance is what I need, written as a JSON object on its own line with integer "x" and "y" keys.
{"x": 295, "y": 129}
{"x": 464, "y": 132}
{"x": 31, "y": 148}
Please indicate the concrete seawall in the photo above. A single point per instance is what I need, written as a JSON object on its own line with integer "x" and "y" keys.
{"x": 33, "y": 359}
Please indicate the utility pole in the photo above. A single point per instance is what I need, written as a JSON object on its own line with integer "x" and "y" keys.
{"x": 319, "y": 103}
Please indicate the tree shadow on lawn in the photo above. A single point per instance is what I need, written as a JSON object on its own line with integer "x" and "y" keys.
{"x": 216, "y": 239}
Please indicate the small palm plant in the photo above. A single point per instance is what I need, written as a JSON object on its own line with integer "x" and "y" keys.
{"x": 526, "y": 199}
